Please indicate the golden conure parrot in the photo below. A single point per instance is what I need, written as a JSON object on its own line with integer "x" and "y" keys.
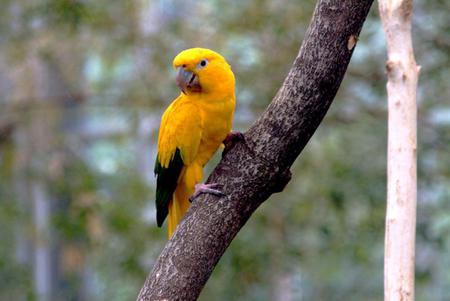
{"x": 191, "y": 130}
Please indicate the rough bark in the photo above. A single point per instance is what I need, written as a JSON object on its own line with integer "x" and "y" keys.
{"x": 254, "y": 168}
{"x": 402, "y": 73}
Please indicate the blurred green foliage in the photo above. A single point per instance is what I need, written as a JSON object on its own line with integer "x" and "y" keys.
{"x": 82, "y": 87}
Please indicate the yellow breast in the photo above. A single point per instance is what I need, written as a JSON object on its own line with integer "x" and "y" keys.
{"x": 217, "y": 117}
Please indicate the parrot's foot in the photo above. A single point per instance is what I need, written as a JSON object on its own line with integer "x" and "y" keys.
{"x": 231, "y": 139}
{"x": 206, "y": 188}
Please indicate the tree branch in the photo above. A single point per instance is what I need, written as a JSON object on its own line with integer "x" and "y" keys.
{"x": 403, "y": 74}
{"x": 259, "y": 165}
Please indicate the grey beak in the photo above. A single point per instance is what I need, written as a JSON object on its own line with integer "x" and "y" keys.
{"x": 187, "y": 81}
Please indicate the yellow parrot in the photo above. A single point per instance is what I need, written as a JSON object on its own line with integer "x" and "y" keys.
{"x": 191, "y": 130}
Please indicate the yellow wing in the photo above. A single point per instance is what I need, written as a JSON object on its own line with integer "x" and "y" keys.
{"x": 181, "y": 127}
{"x": 179, "y": 138}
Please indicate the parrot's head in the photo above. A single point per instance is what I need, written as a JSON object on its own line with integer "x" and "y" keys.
{"x": 201, "y": 70}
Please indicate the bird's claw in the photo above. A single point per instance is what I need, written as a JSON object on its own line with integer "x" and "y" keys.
{"x": 230, "y": 141}
{"x": 207, "y": 188}
{"x": 233, "y": 137}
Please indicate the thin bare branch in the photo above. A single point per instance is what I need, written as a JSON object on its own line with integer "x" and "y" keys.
{"x": 402, "y": 73}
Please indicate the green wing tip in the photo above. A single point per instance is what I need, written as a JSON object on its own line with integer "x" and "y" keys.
{"x": 161, "y": 216}
{"x": 166, "y": 183}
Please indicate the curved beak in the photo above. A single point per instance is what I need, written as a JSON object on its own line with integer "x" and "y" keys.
{"x": 187, "y": 81}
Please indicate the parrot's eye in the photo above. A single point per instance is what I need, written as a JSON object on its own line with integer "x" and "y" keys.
{"x": 202, "y": 63}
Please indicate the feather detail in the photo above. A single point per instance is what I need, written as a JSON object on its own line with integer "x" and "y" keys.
{"x": 167, "y": 178}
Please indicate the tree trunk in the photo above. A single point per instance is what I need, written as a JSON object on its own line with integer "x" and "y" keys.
{"x": 257, "y": 166}
{"x": 402, "y": 73}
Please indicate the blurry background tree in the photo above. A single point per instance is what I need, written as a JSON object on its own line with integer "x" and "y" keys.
{"x": 82, "y": 88}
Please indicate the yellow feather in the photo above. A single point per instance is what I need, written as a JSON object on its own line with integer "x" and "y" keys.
{"x": 196, "y": 123}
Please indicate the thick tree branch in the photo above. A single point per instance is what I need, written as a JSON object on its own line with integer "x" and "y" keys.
{"x": 259, "y": 165}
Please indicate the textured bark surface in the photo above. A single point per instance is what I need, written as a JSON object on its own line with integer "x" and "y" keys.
{"x": 402, "y": 74}
{"x": 252, "y": 169}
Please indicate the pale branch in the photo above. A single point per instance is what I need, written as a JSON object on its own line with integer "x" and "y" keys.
{"x": 254, "y": 168}
{"x": 402, "y": 73}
